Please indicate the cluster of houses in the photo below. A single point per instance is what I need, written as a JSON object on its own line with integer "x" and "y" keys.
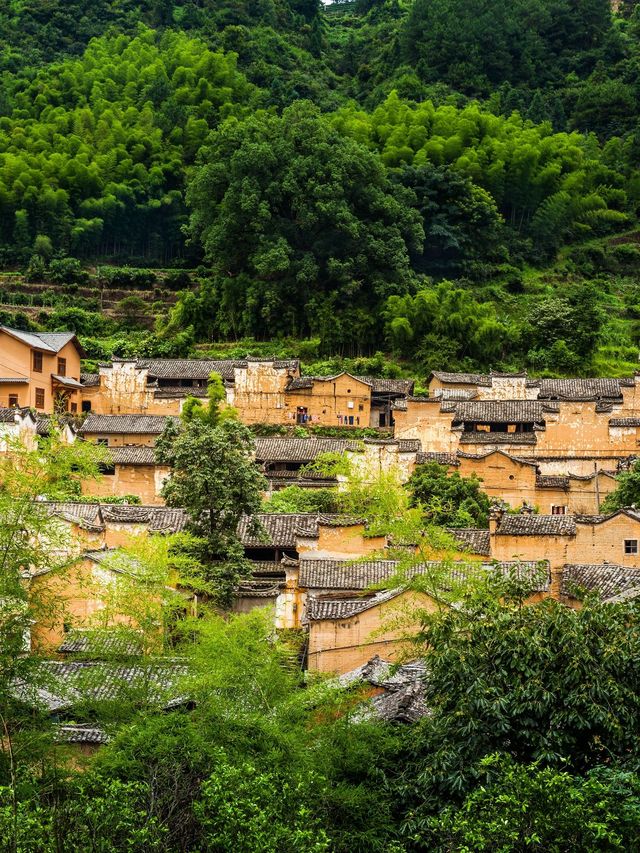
{"x": 550, "y": 449}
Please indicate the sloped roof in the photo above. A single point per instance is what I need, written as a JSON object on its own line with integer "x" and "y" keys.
{"x": 85, "y": 733}
{"x": 279, "y": 529}
{"x": 499, "y": 411}
{"x": 345, "y": 574}
{"x": 474, "y": 540}
{"x": 13, "y": 415}
{"x": 319, "y": 609}
{"x": 552, "y": 481}
{"x": 47, "y": 341}
{"x": 71, "y": 682}
{"x": 389, "y": 386}
{"x": 90, "y": 379}
{"x": 126, "y": 424}
{"x": 101, "y": 643}
{"x": 578, "y": 389}
{"x": 537, "y": 525}
{"x": 441, "y": 458}
{"x": 498, "y": 438}
{"x": 300, "y": 449}
{"x": 608, "y": 579}
{"x": 402, "y": 699}
{"x": 461, "y": 378}
{"x": 624, "y": 422}
{"x": 355, "y": 576}
{"x": 189, "y": 368}
{"x": 132, "y": 455}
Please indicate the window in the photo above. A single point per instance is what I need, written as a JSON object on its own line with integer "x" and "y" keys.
{"x": 557, "y": 510}
{"x": 13, "y": 400}
{"x": 103, "y": 441}
{"x": 62, "y": 367}
{"x": 106, "y": 469}
{"x": 39, "y": 398}
{"x": 630, "y": 546}
{"x": 37, "y": 362}
{"x": 74, "y": 407}
{"x": 86, "y": 405}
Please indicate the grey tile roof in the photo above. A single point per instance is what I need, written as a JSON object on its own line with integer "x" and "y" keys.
{"x": 406, "y": 705}
{"x": 300, "y": 449}
{"x": 360, "y": 575}
{"x": 89, "y": 380}
{"x": 299, "y": 383}
{"x": 472, "y": 539}
{"x": 382, "y": 673}
{"x": 201, "y": 369}
{"x": 552, "y": 481}
{"x": 69, "y": 683}
{"x": 319, "y": 609}
{"x": 462, "y": 378}
{"x": 125, "y": 424}
{"x": 279, "y": 529}
{"x": 579, "y": 389}
{"x": 403, "y": 697}
{"x": 12, "y": 415}
{"x": 81, "y": 733}
{"x": 14, "y": 380}
{"x": 345, "y": 574}
{"x": 441, "y": 458}
{"x": 499, "y": 411}
{"x": 98, "y": 644}
{"x": 607, "y": 579}
{"x": 525, "y": 438}
{"x": 159, "y": 519}
{"x": 43, "y": 422}
{"x": 404, "y": 445}
{"x": 537, "y": 525}
{"x": 132, "y": 455}
{"x": 456, "y": 394}
{"x": 87, "y": 515}
{"x": 624, "y": 422}
{"x": 404, "y": 387}
{"x": 48, "y": 341}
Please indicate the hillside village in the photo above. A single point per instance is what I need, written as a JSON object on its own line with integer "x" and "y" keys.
{"x": 547, "y": 453}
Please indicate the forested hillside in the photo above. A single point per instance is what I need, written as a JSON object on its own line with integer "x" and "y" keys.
{"x": 452, "y": 182}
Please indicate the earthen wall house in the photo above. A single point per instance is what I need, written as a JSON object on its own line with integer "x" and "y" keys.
{"x": 567, "y": 539}
{"x": 346, "y": 634}
{"x": 161, "y": 386}
{"x": 74, "y": 597}
{"x": 134, "y": 472}
{"x": 581, "y": 432}
{"x": 123, "y": 430}
{"x": 517, "y": 480}
{"x": 40, "y": 370}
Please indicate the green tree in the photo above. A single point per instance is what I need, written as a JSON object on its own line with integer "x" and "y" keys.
{"x": 626, "y": 492}
{"x": 214, "y": 477}
{"x": 299, "y": 222}
{"x": 449, "y": 500}
{"x": 527, "y": 807}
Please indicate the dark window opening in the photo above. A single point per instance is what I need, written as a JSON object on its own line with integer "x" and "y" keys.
{"x": 39, "y": 398}
{"x": 62, "y": 367}
{"x": 86, "y": 405}
{"x": 630, "y": 546}
{"x": 37, "y": 362}
{"x": 13, "y": 400}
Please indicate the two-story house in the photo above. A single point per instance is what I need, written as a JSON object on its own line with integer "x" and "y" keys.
{"x": 40, "y": 370}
